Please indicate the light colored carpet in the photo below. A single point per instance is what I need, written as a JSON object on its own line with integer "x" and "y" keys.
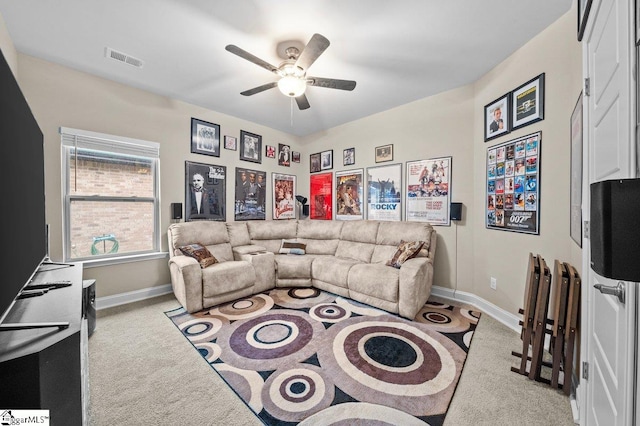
{"x": 143, "y": 371}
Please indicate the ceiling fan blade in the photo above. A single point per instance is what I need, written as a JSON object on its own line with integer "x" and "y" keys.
{"x": 303, "y": 102}
{"x": 251, "y": 58}
{"x": 312, "y": 51}
{"x": 331, "y": 83}
{"x": 259, "y": 89}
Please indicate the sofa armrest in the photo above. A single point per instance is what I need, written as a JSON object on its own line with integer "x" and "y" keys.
{"x": 186, "y": 280}
{"x": 416, "y": 279}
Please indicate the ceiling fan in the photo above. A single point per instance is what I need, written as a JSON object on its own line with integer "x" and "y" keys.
{"x": 293, "y": 71}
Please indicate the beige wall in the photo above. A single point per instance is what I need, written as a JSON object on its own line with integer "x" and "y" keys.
{"x": 7, "y": 47}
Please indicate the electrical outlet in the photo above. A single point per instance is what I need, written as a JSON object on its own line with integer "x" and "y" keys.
{"x": 494, "y": 283}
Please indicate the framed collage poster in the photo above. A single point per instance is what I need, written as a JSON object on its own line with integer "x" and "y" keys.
{"x": 284, "y": 188}
{"x": 321, "y": 190}
{"x": 204, "y": 191}
{"x": 205, "y": 138}
{"x": 349, "y": 195}
{"x": 428, "y": 189}
{"x": 513, "y": 182}
{"x": 251, "y": 192}
{"x": 384, "y": 186}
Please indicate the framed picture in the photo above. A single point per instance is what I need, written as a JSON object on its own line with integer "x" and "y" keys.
{"x": 270, "y": 151}
{"x": 496, "y": 118}
{"x": 428, "y": 189}
{"x": 384, "y": 153}
{"x": 326, "y": 160}
{"x": 205, "y": 138}
{"x": 527, "y": 103}
{"x": 250, "y": 147}
{"x": 230, "y": 142}
{"x": 284, "y": 155}
{"x": 314, "y": 162}
{"x": 284, "y": 189}
{"x": 205, "y": 192}
{"x": 250, "y": 194}
{"x": 513, "y": 185}
{"x": 349, "y": 195}
{"x": 349, "y": 157}
{"x": 576, "y": 173}
{"x": 384, "y": 192}
{"x": 295, "y": 156}
{"x": 584, "y": 6}
{"x": 321, "y": 192}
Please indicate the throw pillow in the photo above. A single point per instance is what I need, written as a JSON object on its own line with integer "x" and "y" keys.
{"x": 406, "y": 251}
{"x": 199, "y": 253}
{"x": 292, "y": 247}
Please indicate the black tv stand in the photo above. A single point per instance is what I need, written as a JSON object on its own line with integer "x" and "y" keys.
{"x": 32, "y": 325}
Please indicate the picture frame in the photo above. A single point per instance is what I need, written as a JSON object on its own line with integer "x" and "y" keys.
{"x": 209, "y": 181}
{"x": 527, "y": 103}
{"x": 384, "y": 192}
{"x": 314, "y": 162}
{"x": 230, "y": 143}
{"x": 295, "y": 156}
{"x": 584, "y": 7}
{"x": 250, "y": 194}
{"x": 428, "y": 191}
{"x": 497, "y": 117}
{"x": 321, "y": 196}
{"x": 205, "y": 138}
{"x": 284, "y": 190}
{"x": 575, "y": 197}
{"x": 250, "y": 147}
{"x": 350, "y": 197}
{"x": 270, "y": 151}
{"x": 326, "y": 160}
{"x": 384, "y": 153}
{"x": 349, "y": 157}
{"x": 284, "y": 155}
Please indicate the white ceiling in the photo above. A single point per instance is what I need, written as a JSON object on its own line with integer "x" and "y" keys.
{"x": 397, "y": 51}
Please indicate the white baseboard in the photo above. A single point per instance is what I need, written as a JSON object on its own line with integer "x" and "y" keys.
{"x": 132, "y": 296}
{"x": 506, "y": 318}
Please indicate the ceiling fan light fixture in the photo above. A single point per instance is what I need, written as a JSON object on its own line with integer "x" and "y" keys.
{"x": 292, "y": 86}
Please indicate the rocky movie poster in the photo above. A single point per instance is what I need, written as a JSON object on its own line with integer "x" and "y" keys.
{"x": 251, "y": 191}
{"x": 384, "y": 196}
{"x": 349, "y": 195}
{"x": 428, "y": 191}
{"x": 321, "y": 202}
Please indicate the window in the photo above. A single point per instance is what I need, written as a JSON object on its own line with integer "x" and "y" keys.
{"x": 110, "y": 197}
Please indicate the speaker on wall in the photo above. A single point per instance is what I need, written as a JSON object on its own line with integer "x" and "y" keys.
{"x": 615, "y": 229}
{"x": 176, "y": 210}
{"x": 305, "y": 210}
{"x": 456, "y": 211}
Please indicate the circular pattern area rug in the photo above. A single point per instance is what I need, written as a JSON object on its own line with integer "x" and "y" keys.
{"x": 305, "y": 356}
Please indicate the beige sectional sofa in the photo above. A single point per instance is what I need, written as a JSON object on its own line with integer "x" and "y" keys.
{"x": 347, "y": 258}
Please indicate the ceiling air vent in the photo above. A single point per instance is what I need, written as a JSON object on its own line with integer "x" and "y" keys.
{"x": 123, "y": 57}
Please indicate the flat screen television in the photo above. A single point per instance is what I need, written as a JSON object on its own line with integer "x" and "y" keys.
{"x": 23, "y": 217}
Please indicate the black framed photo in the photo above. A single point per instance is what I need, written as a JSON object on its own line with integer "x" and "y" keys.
{"x": 314, "y": 162}
{"x": 527, "y": 103}
{"x": 205, "y": 191}
{"x": 326, "y": 160}
{"x": 349, "y": 157}
{"x": 250, "y": 147}
{"x": 384, "y": 153}
{"x": 270, "y": 151}
{"x": 576, "y": 173}
{"x": 584, "y": 6}
{"x": 230, "y": 142}
{"x": 295, "y": 156}
{"x": 205, "y": 138}
{"x": 284, "y": 155}
{"x": 496, "y": 118}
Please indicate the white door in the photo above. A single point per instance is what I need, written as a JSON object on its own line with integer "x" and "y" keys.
{"x": 608, "y": 324}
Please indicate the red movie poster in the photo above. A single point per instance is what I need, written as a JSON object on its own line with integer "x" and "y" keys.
{"x": 321, "y": 196}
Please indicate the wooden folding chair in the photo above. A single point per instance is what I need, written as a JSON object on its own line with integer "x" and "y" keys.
{"x": 528, "y": 313}
{"x": 560, "y": 298}
{"x": 573, "y": 317}
{"x": 540, "y": 320}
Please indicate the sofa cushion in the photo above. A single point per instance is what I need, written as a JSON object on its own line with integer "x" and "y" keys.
{"x": 330, "y": 269}
{"x": 292, "y": 247}
{"x": 393, "y": 233}
{"x": 320, "y": 236}
{"x": 377, "y": 280}
{"x": 406, "y": 250}
{"x": 205, "y": 232}
{"x": 293, "y": 266}
{"x": 358, "y": 251}
{"x": 199, "y": 253}
{"x": 226, "y": 277}
{"x": 272, "y": 229}
{"x": 238, "y": 234}
{"x": 222, "y": 252}
{"x": 360, "y": 231}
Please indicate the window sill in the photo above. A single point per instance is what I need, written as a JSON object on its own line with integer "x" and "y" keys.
{"x": 123, "y": 259}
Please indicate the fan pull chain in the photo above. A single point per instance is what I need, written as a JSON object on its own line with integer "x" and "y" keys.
{"x": 291, "y": 112}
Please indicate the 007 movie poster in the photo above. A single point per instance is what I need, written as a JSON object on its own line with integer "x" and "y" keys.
{"x": 513, "y": 182}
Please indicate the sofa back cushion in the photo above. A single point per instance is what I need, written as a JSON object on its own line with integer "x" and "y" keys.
{"x": 269, "y": 234}
{"x": 212, "y": 235}
{"x": 238, "y": 234}
{"x": 320, "y": 236}
{"x": 391, "y": 234}
{"x": 358, "y": 239}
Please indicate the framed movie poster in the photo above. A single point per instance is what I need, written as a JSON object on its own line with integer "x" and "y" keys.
{"x": 230, "y": 142}
{"x": 251, "y": 194}
{"x": 321, "y": 191}
{"x": 326, "y": 160}
{"x": 513, "y": 185}
{"x": 349, "y": 157}
{"x": 314, "y": 162}
{"x": 284, "y": 155}
{"x": 205, "y": 138}
{"x": 284, "y": 188}
{"x": 496, "y": 118}
{"x": 428, "y": 191}
{"x": 270, "y": 151}
{"x": 350, "y": 195}
{"x": 205, "y": 191}
{"x": 384, "y": 153}
{"x": 384, "y": 186}
{"x": 576, "y": 173}
{"x": 250, "y": 147}
{"x": 527, "y": 103}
